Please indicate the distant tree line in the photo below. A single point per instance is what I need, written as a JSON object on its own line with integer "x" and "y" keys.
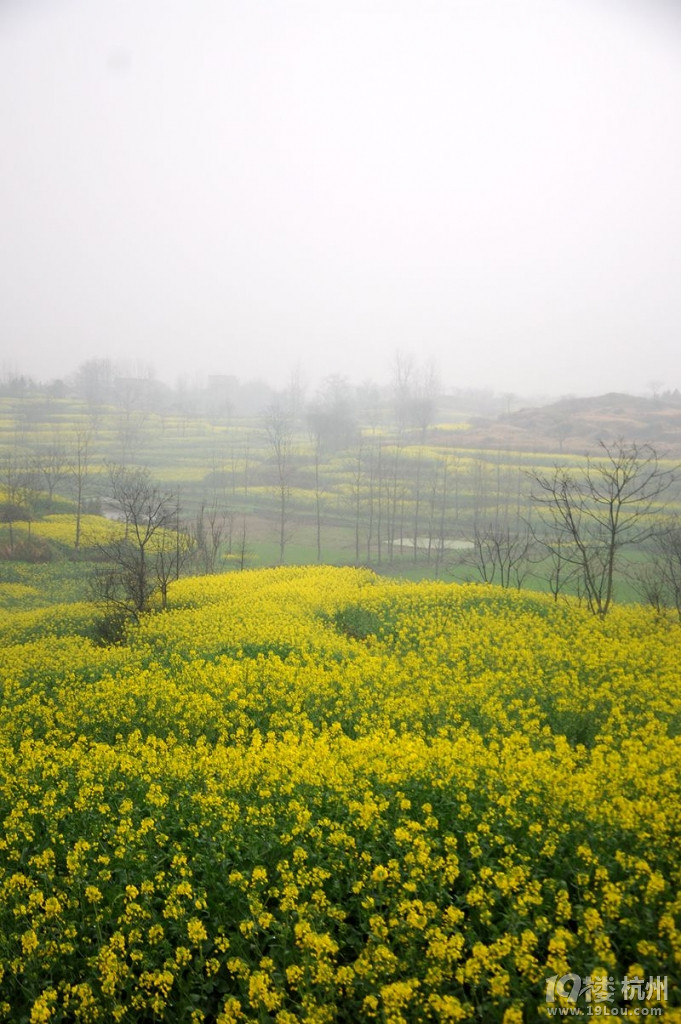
{"x": 407, "y": 394}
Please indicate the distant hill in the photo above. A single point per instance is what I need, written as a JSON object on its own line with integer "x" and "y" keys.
{"x": 577, "y": 424}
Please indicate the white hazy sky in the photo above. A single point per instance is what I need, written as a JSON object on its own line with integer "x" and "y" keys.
{"x": 247, "y": 186}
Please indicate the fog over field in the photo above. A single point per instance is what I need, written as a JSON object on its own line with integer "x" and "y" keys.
{"x": 249, "y": 187}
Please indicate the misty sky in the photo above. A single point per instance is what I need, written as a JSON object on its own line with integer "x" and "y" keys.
{"x": 251, "y": 186}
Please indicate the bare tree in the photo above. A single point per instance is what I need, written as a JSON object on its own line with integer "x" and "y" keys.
{"x": 280, "y": 436}
{"x": 15, "y": 480}
{"x": 148, "y": 554}
{"x": 415, "y": 390}
{"x": 171, "y": 549}
{"x": 133, "y": 414}
{"x": 500, "y": 554}
{"x": 293, "y": 397}
{"x": 556, "y": 565}
{"x": 658, "y": 581}
{"x": 393, "y": 488}
{"x": 331, "y": 418}
{"x": 79, "y": 464}
{"x": 354, "y": 497}
{"x": 318, "y": 493}
{"x": 52, "y": 466}
{"x": 440, "y": 496}
{"x": 242, "y": 548}
{"x": 650, "y": 585}
{"x": 207, "y": 532}
{"x": 591, "y": 514}
{"x": 94, "y": 383}
{"x": 376, "y": 485}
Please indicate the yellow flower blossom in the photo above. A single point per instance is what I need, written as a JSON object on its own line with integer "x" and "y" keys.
{"x": 428, "y": 821}
{"x": 196, "y": 931}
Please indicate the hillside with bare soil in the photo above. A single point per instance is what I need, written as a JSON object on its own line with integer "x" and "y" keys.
{"x": 577, "y": 424}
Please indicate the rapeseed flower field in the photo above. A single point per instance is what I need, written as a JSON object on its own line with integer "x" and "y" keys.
{"x": 316, "y": 795}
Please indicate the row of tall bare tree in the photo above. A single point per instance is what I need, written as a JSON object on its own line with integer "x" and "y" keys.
{"x": 25, "y": 475}
{"x": 592, "y": 524}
